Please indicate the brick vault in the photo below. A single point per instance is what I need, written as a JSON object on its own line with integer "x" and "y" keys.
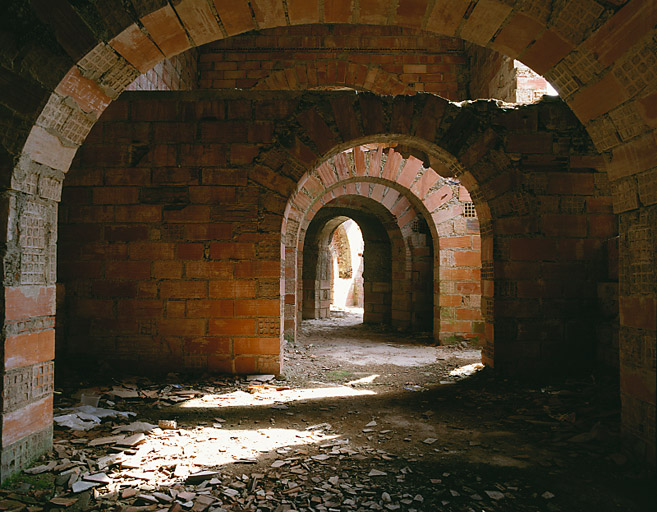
{"x": 179, "y": 218}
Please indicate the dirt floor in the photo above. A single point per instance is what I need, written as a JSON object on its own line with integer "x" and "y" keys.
{"x": 363, "y": 419}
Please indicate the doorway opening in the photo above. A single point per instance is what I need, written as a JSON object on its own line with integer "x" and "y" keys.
{"x": 346, "y": 248}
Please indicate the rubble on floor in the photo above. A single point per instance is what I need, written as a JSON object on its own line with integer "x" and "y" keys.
{"x": 124, "y": 463}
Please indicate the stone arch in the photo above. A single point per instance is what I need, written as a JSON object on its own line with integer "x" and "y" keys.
{"x": 328, "y": 74}
{"x": 601, "y": 58}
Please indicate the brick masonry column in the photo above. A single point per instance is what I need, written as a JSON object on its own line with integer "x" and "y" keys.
{"x": 323, "y": 283}
{"x": 310, "y": 288}
{"x": 377, "y": 285}
{"x": 422, "y": 289}
{"x": 638, "y": 329}
{"x": 28, "y": 335}
{"x": 290, "y": 304}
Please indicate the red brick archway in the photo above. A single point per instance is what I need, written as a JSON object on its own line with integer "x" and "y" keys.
{"x": 407, "y": 190}
{"x": 600, "y": 58}
{"x": 390, "y": 261}
{"x": 385, "y": 252}
{"x": 296, "y": 140}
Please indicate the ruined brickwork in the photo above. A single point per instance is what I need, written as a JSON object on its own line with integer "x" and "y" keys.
{"x": 493, "y": 75}
{"x": 339, "y": 246}
{"x": 387, "y": 60}
{"x": 170, "y": 245}
{"x": 442, "y": 221}
{"x": 541, "y": 192}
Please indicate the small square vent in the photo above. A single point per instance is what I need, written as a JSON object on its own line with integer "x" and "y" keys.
{"x": 469, "y": 209}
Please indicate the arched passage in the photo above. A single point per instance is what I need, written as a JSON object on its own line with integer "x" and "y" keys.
{"x": 346, "y": 249}
{"x": 601, "y": 57}
{"x": 383, "y": 243}
{"x": 210, "y": 252}
{"x": 427, "y": 210}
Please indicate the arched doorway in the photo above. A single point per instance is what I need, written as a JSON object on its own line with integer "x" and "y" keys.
{"x": 346, "y": 247}
{"x": 620, "y": 125}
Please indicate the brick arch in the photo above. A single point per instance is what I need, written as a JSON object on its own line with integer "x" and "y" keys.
{"x": 291, "y": 132}
{"x": 335, "y": 73}
{"x": 407, "y": 190}
{"x": 489, "y": 162}
{"x": 434, "y": 124}
{"x": 403, "y": 312}
{"x": 585, "y": 59}
{"x": 294, "y": 132}
{"x": 600, "y": 58}
{"x": 385, "y": 252}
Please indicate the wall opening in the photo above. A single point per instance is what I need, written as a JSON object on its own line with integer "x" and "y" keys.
{"x": 320, "y": 257}
{"x": 346, "y": 248}
{"x": 436, "y": 270}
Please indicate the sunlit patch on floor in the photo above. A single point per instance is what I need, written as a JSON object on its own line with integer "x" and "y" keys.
{"x": 273, "y": 397}
{"x": 365, "y": 380}
{"x": 467, "y": 370}
{"x": 180, "y": 453}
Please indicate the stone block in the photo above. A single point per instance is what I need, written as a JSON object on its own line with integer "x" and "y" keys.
{"x": 484, "y": 21}
{"x": 199, "y": 21}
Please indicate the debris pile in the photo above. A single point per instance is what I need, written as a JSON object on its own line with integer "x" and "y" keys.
{"x": 313, "y": 445}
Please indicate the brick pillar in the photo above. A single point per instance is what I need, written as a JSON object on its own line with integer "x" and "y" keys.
{"x": 317, "y": 282}
{"x": 401, "y": 287}
{"x": 422, "y": 289}
{"x": 460, "y": 258}
{"x": 377, "y": 282}
{"x": 290, "y": 303}
{"x": 638, "y": 329}
{"x": 28, "y": 323}
{"x": 323, "y": 282}
{"x": 487, "y": 300}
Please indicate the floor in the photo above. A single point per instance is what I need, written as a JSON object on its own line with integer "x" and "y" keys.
{"x": 365, "y": 419}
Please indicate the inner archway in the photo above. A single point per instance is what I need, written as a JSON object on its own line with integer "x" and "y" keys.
{"x": 346, "y": 247}
{"x": 435, "y": 218}
{"x": 381, "y": 243}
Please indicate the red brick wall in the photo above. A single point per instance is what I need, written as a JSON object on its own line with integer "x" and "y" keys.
{"x": 337, "y": 55}
{"x": 491, "y": 74}
{"x": 170, "y": 246}
{"x": 459, "y": 285}
{"x": 599, "y": 55}
{"x": 169, "y": 256}
{"x": 179, "y": 73}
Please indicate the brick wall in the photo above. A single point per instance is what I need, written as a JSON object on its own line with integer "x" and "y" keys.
{"x": 381, "y": 59}
{"x": 170, "y": 242}
{"x": 600, "y": 56}
{"x": 179, "y": 73}
{"x": 493, "y": 75}
{"x": 169, "y": 255}
{"x": 459, "y": 284}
